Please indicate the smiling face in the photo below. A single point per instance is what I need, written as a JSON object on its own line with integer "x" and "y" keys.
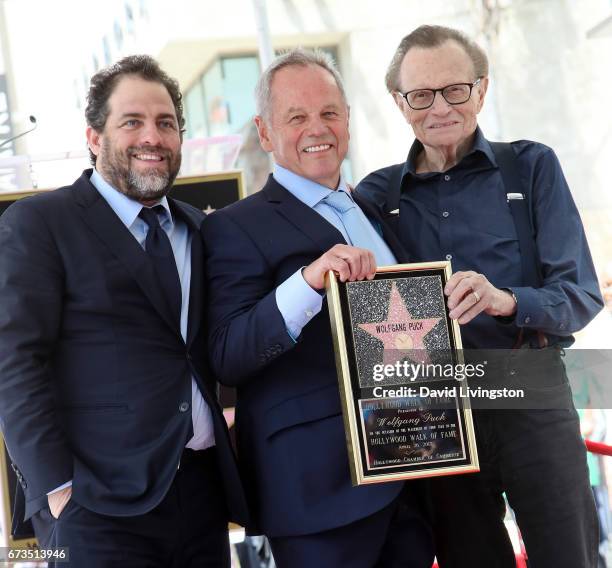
{"x": 441, "y": 126}
{"x": 307, "y": 130}
{"x": 139, "y": 150}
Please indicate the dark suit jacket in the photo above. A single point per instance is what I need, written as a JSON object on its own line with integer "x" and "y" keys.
{"x": 93, "y": 370}
{"x": 291, "y": 443}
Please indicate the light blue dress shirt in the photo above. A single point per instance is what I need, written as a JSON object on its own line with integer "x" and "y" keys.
{"x": 297, "y": 302}
{"x": 180, "y": 239}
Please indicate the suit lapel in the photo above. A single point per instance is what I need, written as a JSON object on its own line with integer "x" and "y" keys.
{"x": 103, "y": 221}
{"x": 304, "y": 218}
{"x": 323, "y": 233}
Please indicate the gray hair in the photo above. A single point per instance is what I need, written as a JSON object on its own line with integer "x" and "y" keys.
{"x": 295, "y": 57}
{"x": 435, "y": 36}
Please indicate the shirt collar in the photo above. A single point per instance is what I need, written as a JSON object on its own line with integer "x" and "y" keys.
{"x": 481, "y": 145}
{"x": 126, "y": 209}
{"x": 307, "y": 191}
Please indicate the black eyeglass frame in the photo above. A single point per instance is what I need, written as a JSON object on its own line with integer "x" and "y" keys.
{"x": 441, "y": 91}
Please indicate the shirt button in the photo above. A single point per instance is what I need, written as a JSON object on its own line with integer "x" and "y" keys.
{"x": 308, "y": 313}
{"x": 184, "y": 407}
{"x": 445, "y": 214}
{"x": 527, "y": 319}
{"x": 449, "y": 257}
{"x": 446, "y": 177}
{"x": 561, "y": 326}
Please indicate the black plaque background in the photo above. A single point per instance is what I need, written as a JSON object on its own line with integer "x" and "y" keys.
{"x": 366, "y": 393}
{"x": 216, "y": 191}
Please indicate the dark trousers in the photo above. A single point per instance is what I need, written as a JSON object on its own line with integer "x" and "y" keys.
{"x": 538, "y": 457}
{"x": 396, "y": 537}
{"x": 188, "y": 529}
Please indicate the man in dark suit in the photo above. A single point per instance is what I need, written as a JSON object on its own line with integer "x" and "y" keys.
{"x": 270, "y": 332}
{"x": 106, "y": 403}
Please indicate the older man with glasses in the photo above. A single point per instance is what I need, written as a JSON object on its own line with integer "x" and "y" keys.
{"x": 523, "y": 283}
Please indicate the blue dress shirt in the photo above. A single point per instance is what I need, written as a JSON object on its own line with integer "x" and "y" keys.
{"x": 297, "y": 302}
{"x": 462, "y": 215}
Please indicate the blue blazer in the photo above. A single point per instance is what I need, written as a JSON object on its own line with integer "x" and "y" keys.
{"x": 291, "y": 442}
{"x": 93, "y": 368}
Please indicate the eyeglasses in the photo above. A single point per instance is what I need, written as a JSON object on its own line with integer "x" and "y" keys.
{"x": 456, "y": 94}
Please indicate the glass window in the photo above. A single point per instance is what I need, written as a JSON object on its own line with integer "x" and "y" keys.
{"x": 240, "y": 76}
{"x": 214, "y": 101}
{"x": 222, "y": 101}
{"x": 195, "y": 115}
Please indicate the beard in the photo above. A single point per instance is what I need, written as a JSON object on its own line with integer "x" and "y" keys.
{"x": 147, "y": 186}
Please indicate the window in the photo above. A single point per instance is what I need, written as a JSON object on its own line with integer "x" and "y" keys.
{"x": 221, "y": 101}
{"x": 195, "y": 114}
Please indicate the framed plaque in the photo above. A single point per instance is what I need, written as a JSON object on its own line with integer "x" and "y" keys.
{"x": 210, "y": 191}
{"x": 401, "y": 375}
{"x": 207, "y": 191}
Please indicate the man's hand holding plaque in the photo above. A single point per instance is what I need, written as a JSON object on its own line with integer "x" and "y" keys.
{"x": 348, "y": 262}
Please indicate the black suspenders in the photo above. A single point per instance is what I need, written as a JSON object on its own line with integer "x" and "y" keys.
{"x": 519, "y": 198}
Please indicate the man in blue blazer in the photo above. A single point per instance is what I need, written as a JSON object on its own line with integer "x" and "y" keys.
{"x": 270, "y": 333}
{"x": 106, "y": 402}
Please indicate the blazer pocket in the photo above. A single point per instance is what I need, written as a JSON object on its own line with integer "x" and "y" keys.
{"x": 310, "y": 407}
{"x": 97, "y": 408}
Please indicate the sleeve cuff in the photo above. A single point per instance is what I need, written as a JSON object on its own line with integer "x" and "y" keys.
{"x": 508, "y": 320}
{"x": 67, "y": 484}
{"x": 527, "y": 307}
{"x": 298, "y": 303}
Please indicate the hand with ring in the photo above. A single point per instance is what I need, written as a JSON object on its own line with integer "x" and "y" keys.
{"x": 470, "y": 293}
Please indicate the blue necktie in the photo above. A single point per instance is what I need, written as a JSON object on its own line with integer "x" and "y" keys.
{"x": 358, "y": 228}
{"x": 361, "y": 233}
{"x": 159, "y": 249}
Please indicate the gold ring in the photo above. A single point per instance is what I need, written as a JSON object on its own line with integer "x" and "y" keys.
{"x": 476, "y": 296}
